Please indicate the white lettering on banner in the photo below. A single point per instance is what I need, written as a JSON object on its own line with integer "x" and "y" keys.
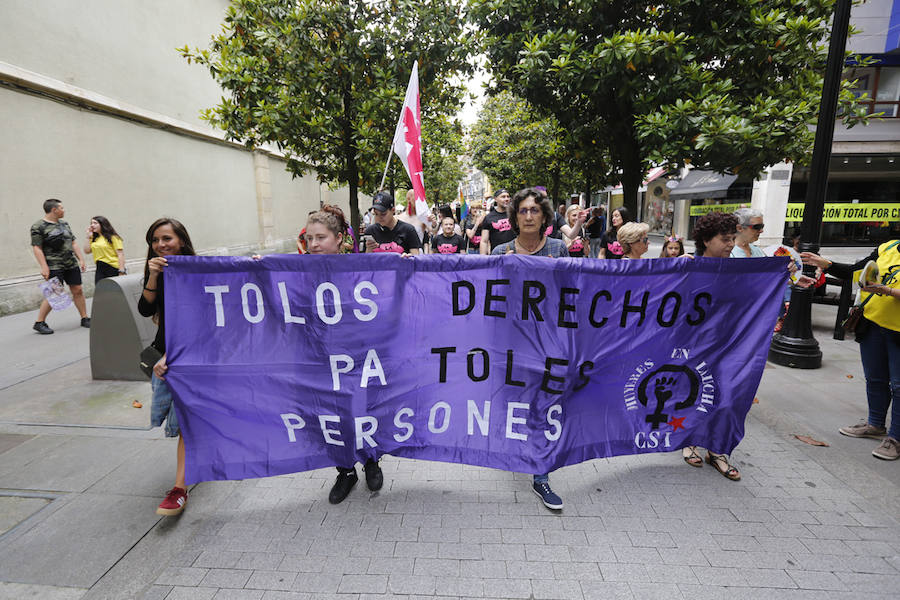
{"x": 336, "y": 309}
{"x": 346, "y": 363}
{"x": 512, "y": 420}
{"x": 432, "y": 418}
{"x": 652, "y": 439}
{"x": 404, "y": 425}
{"x": 482, "y": 418}
{"x": 555, "y": 424}
{"x": 245, "y": 302}
{"x": 217, "y": 291}
{"x": 363, "y": 434}
{"x": 707, "y": 389}
{"x": 371, "y": 368}
{"x": 439, "y": 419}
{"x": 292, "y": 422}
{"x": 367, "y": 302}
{"x": 286, "y": 305}
{"x": 335, "y": 301}
{"x": 331, "y": 435}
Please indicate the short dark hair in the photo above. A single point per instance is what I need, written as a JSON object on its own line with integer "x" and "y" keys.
{"x": 709, "y": 226}
{"x": 50, "y": 204}
{"x": 540, "y": 198}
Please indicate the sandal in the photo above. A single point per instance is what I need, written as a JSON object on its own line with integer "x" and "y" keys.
{"x": 717, "y": 460}
{"x": 690, "y": 456}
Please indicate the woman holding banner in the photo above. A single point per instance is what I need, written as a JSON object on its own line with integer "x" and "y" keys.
{"x": 325, "y": 234}
{"x": 713, "y": 236}
{"x": 530, "y": 214}
{"x": 166, "y": 237}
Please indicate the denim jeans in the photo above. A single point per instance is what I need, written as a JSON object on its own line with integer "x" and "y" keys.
{"x": 162, "y": 409}
{"x": 545, "y": 478}
{"x": 879, "y": 349}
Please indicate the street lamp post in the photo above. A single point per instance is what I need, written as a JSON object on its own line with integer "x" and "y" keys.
{"x": 794, "y": 345}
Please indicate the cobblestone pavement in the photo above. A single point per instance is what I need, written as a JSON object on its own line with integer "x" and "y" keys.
{"x": 804, "y": 522}
{"x": 633, "y": 527}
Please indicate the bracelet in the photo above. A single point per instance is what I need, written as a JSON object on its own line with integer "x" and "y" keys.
{"x": 149, "y": 289}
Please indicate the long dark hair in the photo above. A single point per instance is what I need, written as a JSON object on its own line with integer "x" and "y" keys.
{"x": 187, "y": 247}
{"x": 626, "y": 218}
{"x": 106, "y": 229}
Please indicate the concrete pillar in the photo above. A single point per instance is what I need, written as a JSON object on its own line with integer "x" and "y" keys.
{"x": 262, "y": 178}
{"x": 770, "y": 195}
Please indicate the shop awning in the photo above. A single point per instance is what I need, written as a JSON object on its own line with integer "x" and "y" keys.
{"x": 699, "y": 184}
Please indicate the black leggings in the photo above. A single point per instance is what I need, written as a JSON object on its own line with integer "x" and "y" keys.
{"x": 104, "y": 270}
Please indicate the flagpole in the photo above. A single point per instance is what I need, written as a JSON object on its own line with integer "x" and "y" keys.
{"x": 383, "y": 177}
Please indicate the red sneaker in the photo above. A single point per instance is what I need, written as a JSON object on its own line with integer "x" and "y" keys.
{"x": 173, "y": 503}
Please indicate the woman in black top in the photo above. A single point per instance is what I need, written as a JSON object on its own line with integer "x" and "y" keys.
{"x": 166, "y": 237}
{"x": 609, "y": 246}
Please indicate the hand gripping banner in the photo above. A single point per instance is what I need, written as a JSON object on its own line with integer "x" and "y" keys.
{"x": 525, "y": 364}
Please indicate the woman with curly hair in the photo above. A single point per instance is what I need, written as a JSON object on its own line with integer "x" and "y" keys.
{"x": 713, "y": 238}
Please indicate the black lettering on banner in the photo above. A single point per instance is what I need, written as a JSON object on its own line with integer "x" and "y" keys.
{"x": 661, "y": 313}
{"x": 701, "y": 313}
{"x": 457, "y": 308}
{"x": 641, "y": 308}
{"x": 485, "y": 364}
{"x": 509, "y": 368}
{"x": 443, "y": 352}
{"x": 597, "y": 296}
{"x": 565, "y": 307}
{"x": 583, "y": 379}
{"x": 532, "y": 302}
{"x": 548, "y": 376}
{"x": 490, "y": 298}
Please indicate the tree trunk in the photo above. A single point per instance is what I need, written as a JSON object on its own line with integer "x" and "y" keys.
{"x": 587, "y": 186}
{"x": 554, "y": 185}
{"x": 632, "y": 176}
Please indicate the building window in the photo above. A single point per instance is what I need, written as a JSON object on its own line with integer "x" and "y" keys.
{"x": 881, "y": 87}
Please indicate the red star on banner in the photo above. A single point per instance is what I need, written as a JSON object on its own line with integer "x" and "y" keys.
{"x": 677, "y": 423}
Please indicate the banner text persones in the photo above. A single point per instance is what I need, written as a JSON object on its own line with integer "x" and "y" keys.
{"x": 519, "y": 363}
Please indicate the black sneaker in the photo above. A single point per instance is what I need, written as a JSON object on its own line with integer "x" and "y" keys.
{"x": 342, "y": 486}
{"x": 374, "y": 476}
{"x": 547, "y": 496}
{"x": 42, "y": 328}
{"x": 86, "y": 322}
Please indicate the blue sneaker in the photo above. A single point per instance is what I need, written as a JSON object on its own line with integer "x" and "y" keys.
{"x": 547, "y": 496}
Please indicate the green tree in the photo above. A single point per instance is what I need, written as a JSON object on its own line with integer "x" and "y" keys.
{"x": 729, "y": 84}
{"x": 516, "y": 146}
{"x": 442, "y": 138}
{"x": 324, "y": 80}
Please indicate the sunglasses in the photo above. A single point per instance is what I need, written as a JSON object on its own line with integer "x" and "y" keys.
{"x": 758, "y": 226}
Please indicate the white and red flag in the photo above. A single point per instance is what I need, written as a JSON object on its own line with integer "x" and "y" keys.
{"x": 408, "y": 144}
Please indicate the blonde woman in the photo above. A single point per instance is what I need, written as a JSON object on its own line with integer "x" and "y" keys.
{"x": 576, "y": 240}
{"x": 633, "y": 239}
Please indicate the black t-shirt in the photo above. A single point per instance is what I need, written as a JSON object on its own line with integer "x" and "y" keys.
{"x": 447, "y": 245}
{"x": 597, "y": 228}
{"x": 554, "y": 230}
{"x": 402, "y": 238}
{"x": 499, "y": 228}
{"x": 611, "y": 245}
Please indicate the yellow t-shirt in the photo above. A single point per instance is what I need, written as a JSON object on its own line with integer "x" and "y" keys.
{"x": 103, "y": 251}
{"x": 885, "y": 310}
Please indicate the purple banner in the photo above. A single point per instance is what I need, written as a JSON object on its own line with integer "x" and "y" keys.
{"x": 519, "y": 363}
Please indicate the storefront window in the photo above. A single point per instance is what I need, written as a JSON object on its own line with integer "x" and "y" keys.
{"x": 878, "y": 88}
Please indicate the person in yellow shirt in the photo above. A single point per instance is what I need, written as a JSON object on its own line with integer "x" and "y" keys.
{"x": 106, "y": 246}
{"x": 878, "y": 334}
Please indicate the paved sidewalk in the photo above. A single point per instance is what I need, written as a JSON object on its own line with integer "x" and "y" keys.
{"x": 77, "y": 508}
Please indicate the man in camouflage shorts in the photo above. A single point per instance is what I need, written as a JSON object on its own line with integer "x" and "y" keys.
{"x": 59, "y": 256}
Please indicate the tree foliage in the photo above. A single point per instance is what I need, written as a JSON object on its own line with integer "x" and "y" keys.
{"x": 729, "y": 84}
{"x": 442, "y": 138}
{"x": 324, "y": 80}
{"x": 515, "y": 146}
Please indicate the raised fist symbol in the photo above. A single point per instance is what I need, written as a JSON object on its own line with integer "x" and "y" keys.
{"x": 661, "y": 390}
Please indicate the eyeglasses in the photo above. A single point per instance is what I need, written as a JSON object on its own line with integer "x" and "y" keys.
{"x": 533, "y": 210}
{"x": 646, "y": 240}
{"x": 758, "y": 226}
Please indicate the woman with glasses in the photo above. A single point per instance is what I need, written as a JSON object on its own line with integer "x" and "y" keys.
{"x": 530, "y": 213}
{"x": 633, "y": 239}
{"x": 749, "y": 227}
